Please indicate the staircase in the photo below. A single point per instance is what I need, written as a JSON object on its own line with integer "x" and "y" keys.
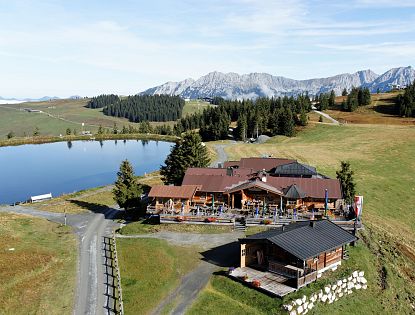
{"x": 239, "y": 226}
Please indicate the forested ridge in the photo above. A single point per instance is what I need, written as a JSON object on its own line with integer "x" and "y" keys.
{"x": 103, "y": 100}
{"x": 271, "y": 116}
{"x": 138, "y": 108}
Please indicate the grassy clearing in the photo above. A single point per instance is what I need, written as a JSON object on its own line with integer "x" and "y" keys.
{"x": 39, "y": 276}
{"x": 150, "y": 269}
{"x": 96, "y": 199}
{"x": 194, "y": 106}
{"x": 142, "y": 228}
{"x": 382, "y": 157}
{"x": 380, "y": 111}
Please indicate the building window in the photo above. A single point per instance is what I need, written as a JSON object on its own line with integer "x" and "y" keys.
{"x": 243, "y": 252}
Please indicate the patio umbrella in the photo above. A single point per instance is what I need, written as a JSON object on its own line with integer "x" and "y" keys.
{"x": 326, "y": 202}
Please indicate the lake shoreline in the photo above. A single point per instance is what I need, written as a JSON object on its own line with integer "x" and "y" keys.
{"x": 51, "y": 139}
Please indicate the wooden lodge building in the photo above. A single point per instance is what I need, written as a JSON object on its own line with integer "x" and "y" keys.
{"x": 294, "y": 254}
{"x": 271, "y": 184}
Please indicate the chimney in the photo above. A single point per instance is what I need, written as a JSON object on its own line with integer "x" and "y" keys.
{"x": 229, "y": 171}
{"x": 264, "y": 176}
{"x": 312, "y": 223}
{"x": 283, "y": 228}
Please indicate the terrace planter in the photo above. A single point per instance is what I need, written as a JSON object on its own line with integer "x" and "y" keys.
{"x": 210, "y": 220}
{"x": 256, "y": 283}
{"x": 266, "y": 222}
{"x": 179, "y": 219}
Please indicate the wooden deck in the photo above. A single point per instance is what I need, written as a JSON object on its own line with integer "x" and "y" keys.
{"x": 270, "y": 282}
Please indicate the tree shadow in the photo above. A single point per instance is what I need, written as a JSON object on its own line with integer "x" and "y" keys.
{"x": 97, "y": 208}
{"x": 226, "y": 255}
{"x": 387, "y": 109}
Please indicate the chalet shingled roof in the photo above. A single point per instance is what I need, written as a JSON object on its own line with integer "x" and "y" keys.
{"x": 306, "y": 240}
{"x": 249, "y": 184}
{"x": 182, "y": 192}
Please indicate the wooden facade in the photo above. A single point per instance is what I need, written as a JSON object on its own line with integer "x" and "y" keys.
{"x": 267, "y": 256}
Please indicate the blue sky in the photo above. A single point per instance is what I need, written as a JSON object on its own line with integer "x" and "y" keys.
{"x": 87, "y": 48}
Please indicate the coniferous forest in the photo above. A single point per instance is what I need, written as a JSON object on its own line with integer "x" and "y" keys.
{"x": 405, "y": 104}
{"x": 138, "y": 108}
{"x": 102, "y": 100}
{"x": 270, "y": 116}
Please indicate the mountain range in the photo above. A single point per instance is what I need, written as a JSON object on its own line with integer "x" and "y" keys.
{"x": 253, "y": 85}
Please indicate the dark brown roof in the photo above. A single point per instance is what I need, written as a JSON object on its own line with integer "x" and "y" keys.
{"x": 217, "y": 171}
{"x": 212, "y": 183}
{"x": 183, "y": 192}
{"x": 312, "y": 187}
{"x": 258, "y": 163}
{"x": 305, "y": 240}
{"x": 254, "y": 183}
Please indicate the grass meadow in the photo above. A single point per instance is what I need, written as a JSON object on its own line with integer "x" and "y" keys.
{"x": 39, "y": 275}
{"x": 150, "y": 269}
{"x": 67, "y": 114}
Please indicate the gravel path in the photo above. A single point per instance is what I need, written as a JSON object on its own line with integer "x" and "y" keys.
{"x": 90, "y": 228}
{"x": 334, "y": 121}
{"x": 221, "y": 154}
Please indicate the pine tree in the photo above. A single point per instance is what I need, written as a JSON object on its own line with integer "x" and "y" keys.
{"x": 332, "y": 99}
{"x": 115, "y": 129}
{"x": 187, "y": 152}
{"x": 303, "y": 118}
{"x": 36, "y": 132}
{"x": 100, "y": 130}
{"x": 127, "y": 191}
{"x": 68, "y": 131}
{"x": 345, "y": 176}
{"x": 10, "y": 135}
{"x": 344, "y": 92}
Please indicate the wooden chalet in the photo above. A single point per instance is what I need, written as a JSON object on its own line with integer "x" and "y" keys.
{"x": 256, "y": 184}
{"x": 298, "y": 253}
{"x": 175, "y": 199}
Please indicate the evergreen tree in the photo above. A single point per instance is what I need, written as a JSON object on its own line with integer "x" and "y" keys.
{"x": 241, "y": 129}
{"x": 68, "y": 131}
{"x": 36, "y": 132}
{"x": 74, "y": 132}
{"x": 100, "y": 130}
{"x": 320, "y": 119}
{"x": 187, "y": 152}
{"x": 344, "y": 92}
{"x": 332, "y": 99}
{"x": 10, "y": 135}
{"x": 115, "y": 129}
{"x": 345, "y": 176}
{"x": 303, "y": 118}
{"x": 127, "y": 191}
{"x": 405, "y": 104}
{"x": 287, "y": 123}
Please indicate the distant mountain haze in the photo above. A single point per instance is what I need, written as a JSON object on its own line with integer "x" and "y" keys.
{"x": 253, "y": 85}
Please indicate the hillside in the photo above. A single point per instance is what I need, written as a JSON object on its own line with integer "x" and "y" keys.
{"x": 382, "y": 159}
{"x": 253, "y": 85}
{"x": 58, "y": 115}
